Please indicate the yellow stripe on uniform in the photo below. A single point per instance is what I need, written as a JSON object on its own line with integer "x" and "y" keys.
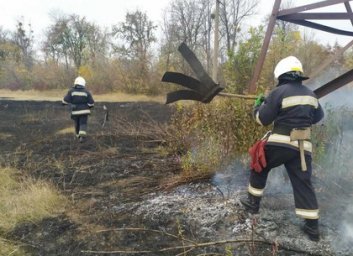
{"x": 285, "y": 139}
{"x": 84, "y": 94}
{"x": 300, "y": 100}
{"x": 255, "y": 191}
{"x": 307, "y": 214}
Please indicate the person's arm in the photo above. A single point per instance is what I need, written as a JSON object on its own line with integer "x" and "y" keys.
{"x": 90, "y": 100}
{"x": 318, "y": 114}
{"x": 67, "y": 99}
{"x": 266, "y": 113}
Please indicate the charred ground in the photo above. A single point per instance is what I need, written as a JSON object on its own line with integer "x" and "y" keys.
{"x": 114, "y": 181}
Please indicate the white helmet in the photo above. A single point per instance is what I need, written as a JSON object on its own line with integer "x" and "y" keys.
{"x": 288, "y": 64}
{"x": 80, "y": 81}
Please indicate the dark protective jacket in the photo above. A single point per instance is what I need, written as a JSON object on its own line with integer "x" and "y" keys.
{"x": 290, "y": 105}
{"x": 80, "y": 99}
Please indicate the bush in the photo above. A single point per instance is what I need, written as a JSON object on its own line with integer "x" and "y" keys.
{"x": 208, "y": 136}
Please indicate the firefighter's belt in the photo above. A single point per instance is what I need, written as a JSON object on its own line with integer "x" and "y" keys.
{"x": 301, "y": 134}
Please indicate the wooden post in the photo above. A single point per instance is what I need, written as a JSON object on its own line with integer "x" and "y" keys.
{"x": 216, "y": 44}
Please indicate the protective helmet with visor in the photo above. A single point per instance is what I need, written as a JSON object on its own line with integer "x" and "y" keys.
{"x": 288, "y": 64}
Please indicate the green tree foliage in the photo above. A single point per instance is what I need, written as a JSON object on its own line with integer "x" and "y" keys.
{"x": 134, "y": 39}
{"x": 70, "y": 38}
{"x": 238, "y": 69}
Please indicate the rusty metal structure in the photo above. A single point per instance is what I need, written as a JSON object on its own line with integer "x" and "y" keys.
{"x": 301, "y": 16}
{"x": 204, "y": 88}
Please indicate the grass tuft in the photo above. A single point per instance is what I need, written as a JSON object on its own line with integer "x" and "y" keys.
{"x": 67, "y": 130}
{"x": 25, "y": 200}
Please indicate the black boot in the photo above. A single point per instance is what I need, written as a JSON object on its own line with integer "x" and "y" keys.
{"x": 251, "y": 203}
{"x": 311, "y": 228}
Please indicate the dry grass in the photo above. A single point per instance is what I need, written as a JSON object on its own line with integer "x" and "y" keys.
{"x": 10, "y": 248}
{"x": 26, "y": 200}
{"x": 57, "y": 95}
{"x": 4, "y": 136}
{"x": 67, "y": 130}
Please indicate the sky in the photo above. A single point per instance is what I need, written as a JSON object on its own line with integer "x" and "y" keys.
{"x": 110, "y": 12}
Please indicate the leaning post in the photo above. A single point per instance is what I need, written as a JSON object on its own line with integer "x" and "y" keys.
{"x": 266, "y": 43}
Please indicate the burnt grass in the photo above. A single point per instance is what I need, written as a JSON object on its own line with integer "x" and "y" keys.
{"x": 119, "y": 162}
{"x": 115, "y": 185}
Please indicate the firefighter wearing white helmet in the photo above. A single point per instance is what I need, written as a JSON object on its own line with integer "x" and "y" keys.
{"x": 81, "y": 101}
{"x": 80, "y": 81}
{"x": 289, "y": 64}
{"x": 292, "y": 108}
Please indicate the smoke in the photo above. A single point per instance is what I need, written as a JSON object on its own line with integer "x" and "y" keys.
{"x": 233, "y": 179}
{"x": 338, "y": 98}
{"x": 334, "y": 170}
{"x": 332, "y": 176}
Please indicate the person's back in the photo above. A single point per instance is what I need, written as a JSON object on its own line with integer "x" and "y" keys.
{"x": 290, "y": 105}
{"x": 81, "y": 101}
{"x": 293, "y": 108}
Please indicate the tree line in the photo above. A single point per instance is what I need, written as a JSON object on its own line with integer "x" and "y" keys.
{"x": 129, "y": 57}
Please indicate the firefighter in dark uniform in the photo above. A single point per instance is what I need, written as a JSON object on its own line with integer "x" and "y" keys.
{"x": 81, "y": 102}
{"x": 293, "y": 109}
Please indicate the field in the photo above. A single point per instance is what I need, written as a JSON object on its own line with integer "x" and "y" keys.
{"x": 112, "y": 197}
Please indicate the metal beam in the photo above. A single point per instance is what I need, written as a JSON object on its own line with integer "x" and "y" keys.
{"x": 328, "y": 29}
{"x": 317, "y": 16}
{"x": 311, "y": 6}
{"x": 334, "y": 84}
{"x": 349, "y": 9}
{"x": 266, "y": 43}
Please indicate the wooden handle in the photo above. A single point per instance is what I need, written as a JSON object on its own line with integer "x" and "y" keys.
{"x": 242, "y": 96}
{"x": 302, "y": 155}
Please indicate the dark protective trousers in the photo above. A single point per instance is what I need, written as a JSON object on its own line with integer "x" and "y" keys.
{"x": 80, "y": 124}
{"x": 304, "y": 194}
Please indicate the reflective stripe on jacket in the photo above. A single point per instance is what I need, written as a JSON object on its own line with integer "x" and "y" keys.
{"x": 80, "y": 99}
{"x": 290, "y": 105}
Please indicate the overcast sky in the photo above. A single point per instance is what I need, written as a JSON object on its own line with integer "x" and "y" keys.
{"x": 109, "y": 12}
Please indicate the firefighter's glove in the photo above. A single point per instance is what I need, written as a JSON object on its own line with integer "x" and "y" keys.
{"x": 260, "y": 98}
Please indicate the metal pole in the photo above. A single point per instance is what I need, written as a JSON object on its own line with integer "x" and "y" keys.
{"x": 266, "y": 43}
{"x": 216, "y": 44}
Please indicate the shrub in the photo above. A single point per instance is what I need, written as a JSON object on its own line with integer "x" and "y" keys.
{"x": 207, "y": 136}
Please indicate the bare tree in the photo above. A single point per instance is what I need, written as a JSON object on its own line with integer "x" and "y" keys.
{"x": 72, "y": 38}
{"x": 232, "y": 14}
{"x": 23, "y": 39}
{"x": 187, "y": 21}
{"x": 136, "y": 35}
{"x": 134, "y": 40}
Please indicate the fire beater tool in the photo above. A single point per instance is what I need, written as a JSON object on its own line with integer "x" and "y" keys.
{"x": 204, "y": 89}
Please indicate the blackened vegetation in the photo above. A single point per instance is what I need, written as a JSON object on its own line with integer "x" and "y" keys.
{"x": 118, "y": 163}
{"x": 114, "y": 182}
